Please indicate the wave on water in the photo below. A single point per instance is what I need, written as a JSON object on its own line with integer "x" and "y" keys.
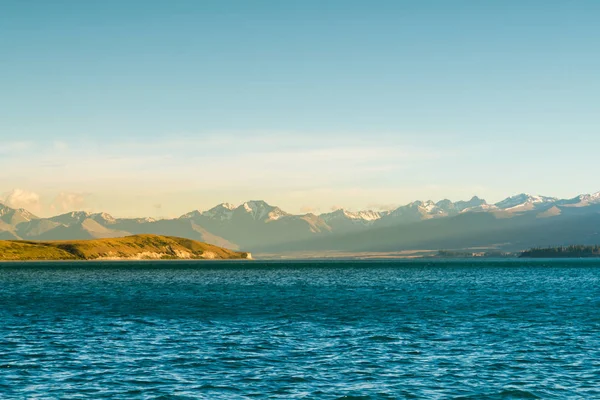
{"x": 342, "y": 330}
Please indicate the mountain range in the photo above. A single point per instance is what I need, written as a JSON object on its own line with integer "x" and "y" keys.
{"x": 514, "y": 223}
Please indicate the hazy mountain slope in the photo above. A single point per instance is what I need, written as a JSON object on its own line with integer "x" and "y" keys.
{"x": 8, "y": 235}
{"x": 35, "y": 228}
{"x": 83, "y": 229}
{"x": 174, "y": 227}
{"x": 208, "y": 237}
{"x": 7, "y": 229}
{"x": 462, "y": 231}
{"x": 247, "y": 232}
{"x": 398, "y": 237}
{"x": 570, "y": 209}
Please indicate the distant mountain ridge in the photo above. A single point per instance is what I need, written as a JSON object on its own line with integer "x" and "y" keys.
{"x": 256, "y": 224}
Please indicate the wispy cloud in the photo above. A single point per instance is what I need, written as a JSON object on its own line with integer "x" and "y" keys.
{"x": 309, "y": 210}
{"x": 68, "y": 201}
{"x": 292, "y": 169}
{"x": 382, "y": 207}
{"x": 60, "y": 145}
{"x": 15, "y": 147}
{"x": 252, "y": 162}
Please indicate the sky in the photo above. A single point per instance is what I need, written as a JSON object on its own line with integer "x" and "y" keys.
{"x": 157, "y": 108}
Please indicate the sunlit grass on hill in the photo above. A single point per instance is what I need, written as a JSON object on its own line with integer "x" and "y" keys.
{"x": 137, "y": 247}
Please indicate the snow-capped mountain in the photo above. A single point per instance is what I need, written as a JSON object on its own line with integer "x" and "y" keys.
{"x": 416, "y": 211}
{"x": 221, "y": 212}
{"x": 422, "y": 210}
{"x": 475, "y": 204}
{"x": 582, "y": 200}
{"x": 257, "y": 210}
{"x": 362, "y": 217}
{"x": 524, "y": 200}
{"x": 103, "y": 218}
{"x": 144, "y": 220}
{"x": 261, "y": 211}
{"x": 10, "y": 219}
{"x": 70, "y": 218}
{"x": 344, "y": 221}
{"x": 13, "y": 217}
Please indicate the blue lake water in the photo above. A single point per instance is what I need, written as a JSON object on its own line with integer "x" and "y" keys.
{"x": 355, "y": 330}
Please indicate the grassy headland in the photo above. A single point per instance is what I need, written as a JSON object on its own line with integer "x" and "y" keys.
{"x": 137, "y": 247}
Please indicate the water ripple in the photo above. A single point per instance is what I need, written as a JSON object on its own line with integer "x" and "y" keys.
{"x": 339, "y": 330}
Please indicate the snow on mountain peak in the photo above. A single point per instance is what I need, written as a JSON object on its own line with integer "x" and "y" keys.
{"x": 104, "y": 217}
{"x": 227, "y": 206}
{"x": 523, "y": 199}
{"x": 78, "y": 215}
{"x": 428, "y": 206}
{"x": 223, "y": 212}
{"x": 415, "y": 209}
{"x": 260, "y": 210}
{"x": 582, "y": 200}
{"x": 73, "y": 217}
{"x": 276, "y": 213}
{"x": 4, "y": 210}
{"x": 367, "y": 216}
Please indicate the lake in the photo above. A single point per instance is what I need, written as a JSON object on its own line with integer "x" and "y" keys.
{"x": 301, "y": 329}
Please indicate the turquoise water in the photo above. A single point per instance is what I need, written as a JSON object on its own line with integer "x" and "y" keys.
{"x": 362, "y": 330}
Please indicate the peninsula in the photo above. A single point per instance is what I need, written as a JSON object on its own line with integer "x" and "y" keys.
{"x": 574, "y": 251}
{"x": 136, "y": 247}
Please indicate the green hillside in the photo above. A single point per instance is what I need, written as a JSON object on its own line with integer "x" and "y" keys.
{"x": 137, "y": 247}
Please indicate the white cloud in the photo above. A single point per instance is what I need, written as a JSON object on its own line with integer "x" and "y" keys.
{"x": 19, "y": 198}
{"x": 66, "y": 201}
{"x": 41, "y": 204}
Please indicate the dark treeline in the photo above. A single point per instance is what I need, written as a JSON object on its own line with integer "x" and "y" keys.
{"x": 563, "y": 251}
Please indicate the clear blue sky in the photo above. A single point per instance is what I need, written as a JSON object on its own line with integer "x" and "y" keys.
{"x": 160, "y": 107}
